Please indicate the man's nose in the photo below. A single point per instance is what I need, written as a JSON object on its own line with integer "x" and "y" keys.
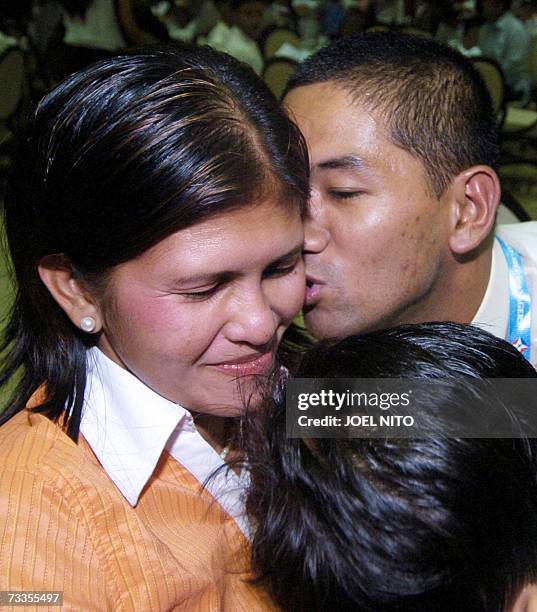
{"x": 316, "y": 234}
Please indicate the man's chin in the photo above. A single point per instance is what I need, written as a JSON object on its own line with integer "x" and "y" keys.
{"x": 326, "y": 324}
{"x": 322, "y": 324}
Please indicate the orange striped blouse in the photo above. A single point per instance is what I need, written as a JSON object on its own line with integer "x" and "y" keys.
{"x": 65, "y": 526}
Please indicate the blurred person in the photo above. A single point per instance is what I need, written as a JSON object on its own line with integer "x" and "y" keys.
{"x": 466, "y": 37}
{"x": 15, "y": 17}
{"x": 470, "y": 40}
{"x": 45, "y": 26}
{"x": 504, "y": 38}
{"x": 435, "y": 523}
{"x": 7, "y": 41}
{"x": 429, "y": 16}
{"x": 280, "y": 13}
{"x": 154, "y": 220}
{"x": 403, "y": 145}
{"x": 331, "y": 17}
{"x": 138, "y": 24}
{"x": 390, "y": 12}
{"x": 308, "y": 21}
{"x": 178, "y": 18}
{"x": 91, "y": 32}
{"x": 358, "y": 18}
{"x": 527, "y": 13}
{"x": 237, "y": 30}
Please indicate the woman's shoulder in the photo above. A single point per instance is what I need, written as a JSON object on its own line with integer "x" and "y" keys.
{"x": 28, "y": 439}
{"x": 35, "y": 449}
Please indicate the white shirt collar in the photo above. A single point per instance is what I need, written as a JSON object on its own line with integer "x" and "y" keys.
{"x": 128, "y": 426}
{"x": 493, "y": 313}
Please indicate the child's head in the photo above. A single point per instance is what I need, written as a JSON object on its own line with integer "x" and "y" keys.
{"x": 443, "y": 524}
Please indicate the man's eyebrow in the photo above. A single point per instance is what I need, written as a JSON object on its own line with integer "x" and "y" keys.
{"x": 347, "y": 162}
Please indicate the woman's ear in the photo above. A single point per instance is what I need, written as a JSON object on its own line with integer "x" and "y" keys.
{"x": 476, "y": 196}
{"x": 58, "y": 275}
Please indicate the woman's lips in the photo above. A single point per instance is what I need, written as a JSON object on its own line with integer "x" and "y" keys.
{"x": 250, "y": 365}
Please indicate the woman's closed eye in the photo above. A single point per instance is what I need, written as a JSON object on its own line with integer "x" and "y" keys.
{"x": 281, "y": 268}
{"x": 202, "y": 294}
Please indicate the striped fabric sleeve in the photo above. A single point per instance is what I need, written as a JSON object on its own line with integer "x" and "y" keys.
{"x": 45, "y": 544}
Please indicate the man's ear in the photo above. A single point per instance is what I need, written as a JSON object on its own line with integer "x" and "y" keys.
{"x": 58, "y": 275}
{"x": 526, "y": 601}
{"x": 476, "y": 196}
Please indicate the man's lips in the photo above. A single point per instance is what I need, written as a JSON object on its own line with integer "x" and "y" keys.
{"x": 313, "y": 290}
{"x": 247, "y": 365}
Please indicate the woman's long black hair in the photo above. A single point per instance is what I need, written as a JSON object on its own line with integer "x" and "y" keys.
{"x": 113, "y": 160}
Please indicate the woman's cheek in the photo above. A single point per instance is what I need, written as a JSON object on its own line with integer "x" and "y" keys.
{"x": 292, "y": 294}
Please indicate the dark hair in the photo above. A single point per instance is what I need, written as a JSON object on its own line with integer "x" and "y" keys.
{"x": 381, "y": 525}
{"x": 113, "y": 160}
{"x": 434, "y": 102}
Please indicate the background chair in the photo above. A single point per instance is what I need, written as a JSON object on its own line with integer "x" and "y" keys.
{"x": 13, "y": 80}
{"x": 277, "y": 73}
{"x": 519, "y": 181}
{"x": 272, "y": 40}
{"x": 518, "y": 126}
{"x": 492, "y": 75}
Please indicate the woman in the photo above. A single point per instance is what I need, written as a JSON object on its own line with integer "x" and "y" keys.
{"x": 154, "y": 222}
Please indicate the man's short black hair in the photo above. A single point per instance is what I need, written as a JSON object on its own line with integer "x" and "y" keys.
{"x": 432, "y": 99}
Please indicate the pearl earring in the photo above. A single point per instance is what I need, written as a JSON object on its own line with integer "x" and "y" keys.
{"x": 88, "y": 324}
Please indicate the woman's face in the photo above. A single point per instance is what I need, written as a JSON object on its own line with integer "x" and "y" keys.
{"x": 206, "y": 306}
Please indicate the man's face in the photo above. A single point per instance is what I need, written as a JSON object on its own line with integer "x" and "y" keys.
{"x": 376, "y": 240}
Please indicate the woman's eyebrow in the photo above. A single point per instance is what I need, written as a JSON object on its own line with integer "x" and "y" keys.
{"x": 195, "y": 279}
{"x": 297, "y": 250}
{"x": 225, "y": 275}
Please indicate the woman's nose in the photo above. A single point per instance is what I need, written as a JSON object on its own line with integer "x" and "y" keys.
{"x": 253, "y": 320}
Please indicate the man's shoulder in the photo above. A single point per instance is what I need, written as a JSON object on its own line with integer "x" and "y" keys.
{"x": 520, "y": 233}
{"x": 523, "y": 238}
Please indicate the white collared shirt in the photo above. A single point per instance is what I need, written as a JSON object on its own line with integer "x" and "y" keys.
{"x": 493, "y": 313}
{"x": 128, "y": 426}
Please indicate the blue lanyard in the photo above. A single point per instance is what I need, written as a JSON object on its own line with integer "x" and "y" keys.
{"x": 519, "y": 332}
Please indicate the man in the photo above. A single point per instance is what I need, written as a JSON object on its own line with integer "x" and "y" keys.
{"x": 403, "y": 145}
{"x": 235, "y": 33}
{"x": 504, "y": 38}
